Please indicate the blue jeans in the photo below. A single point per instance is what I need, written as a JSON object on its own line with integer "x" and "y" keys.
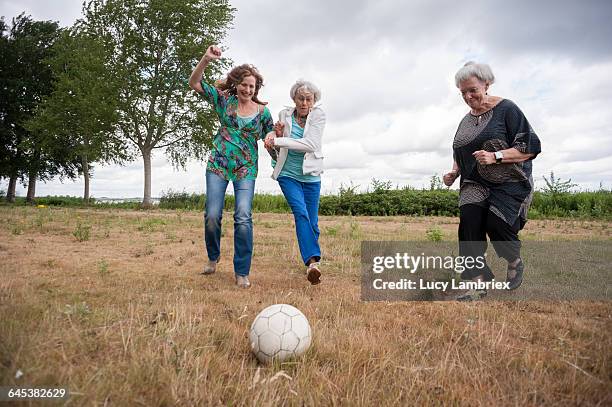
{"x": 303, "y": 198}
{"x": 243, "y": 223}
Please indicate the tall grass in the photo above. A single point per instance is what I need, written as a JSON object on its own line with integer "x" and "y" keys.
{"x": 265, "y": 203}
{"x": 574, "y": 205}
{"x": 392, "y": 202}
{"x": 379, "y": 202}
{"x": 73, "y": 202}
{"x": 410, "y": 202}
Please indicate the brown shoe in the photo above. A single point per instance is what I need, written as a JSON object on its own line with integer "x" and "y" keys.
{"x": 242, "y": 281}
{"x": 210, "y": 267}
{"x": 313, "y": 274}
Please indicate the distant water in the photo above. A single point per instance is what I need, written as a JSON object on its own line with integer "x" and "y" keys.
{"x": 154, "y": 201}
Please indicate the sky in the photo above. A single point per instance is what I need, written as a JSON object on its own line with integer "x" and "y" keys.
{"x": 386, "y": 71}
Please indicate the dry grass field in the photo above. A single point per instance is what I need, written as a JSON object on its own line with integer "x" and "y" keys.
{"x": 110, "y": 304}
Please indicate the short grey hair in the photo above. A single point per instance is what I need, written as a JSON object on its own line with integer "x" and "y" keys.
{"x": 302, "y": 84}
{"x": 482, "y": 72}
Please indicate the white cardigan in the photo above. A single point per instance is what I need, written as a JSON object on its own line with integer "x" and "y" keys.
{"x": 310, "y": 144}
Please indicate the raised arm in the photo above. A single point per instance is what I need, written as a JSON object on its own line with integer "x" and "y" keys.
{"x": 213, "y": 52}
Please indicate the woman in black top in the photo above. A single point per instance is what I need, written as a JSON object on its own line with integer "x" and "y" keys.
{"x": 492, "y": 152}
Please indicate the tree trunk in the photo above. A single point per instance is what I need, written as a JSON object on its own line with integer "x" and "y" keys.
{"x": 10, "y": 193}
{"x": 31, "y": 187}
{"x": 86, "y": 178}
{"x": 146, "y": 200}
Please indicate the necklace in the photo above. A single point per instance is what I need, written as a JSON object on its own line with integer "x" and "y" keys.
{"x": 301, "y": 121}
{"x": 481, "y": 118}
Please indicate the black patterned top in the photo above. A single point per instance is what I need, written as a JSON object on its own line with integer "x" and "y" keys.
{"x": 506, "y": 189}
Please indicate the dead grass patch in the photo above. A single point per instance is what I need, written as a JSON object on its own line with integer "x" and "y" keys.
{"x": 125, "y": 318}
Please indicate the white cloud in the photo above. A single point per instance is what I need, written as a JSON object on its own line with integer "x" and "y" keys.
{"x": 386, "y": 72}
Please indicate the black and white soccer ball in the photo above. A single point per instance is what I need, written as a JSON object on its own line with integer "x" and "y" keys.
{"x": 280, "y": 332}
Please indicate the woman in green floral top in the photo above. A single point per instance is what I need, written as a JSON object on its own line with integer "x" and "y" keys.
{"x": 244, "y": 119}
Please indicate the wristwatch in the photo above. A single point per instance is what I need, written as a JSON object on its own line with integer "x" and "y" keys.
{"x": 499, "y": 156}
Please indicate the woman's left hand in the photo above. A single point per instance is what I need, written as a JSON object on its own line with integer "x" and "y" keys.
{"x": 279, "y": 128}
{"x": 484, "y": 157}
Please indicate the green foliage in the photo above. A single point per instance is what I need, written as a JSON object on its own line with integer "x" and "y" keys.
{"x": 42, "y": 217}
{"x": 355, "y": 230}
{"x": 154, "y": 46}
{"x": 347, "y": 190}
{"x": 557, "y": 200}
{"x": 435, "y": 182}
{"x": 331, "y": 230}
{"x": 261, "y": 203}
{"x": 81, "y": 113}
{"x": 182, "y": 200}
{"x": 434, "y": 234}
{"x": 151, "y": 224}
{"x": 405, "y": 202}
{"x": 392, "y": 202}
{"x": 69, "y": 201}
{"x": 82, "y": 231}
{"x": 25, "y": 80}
{"x": 556, "y": 185}
{"x": 103, "y": 267}
{"x": 379, "y": 186}
{"x": 574, "y": 205}
{"x": 76, "y": 202}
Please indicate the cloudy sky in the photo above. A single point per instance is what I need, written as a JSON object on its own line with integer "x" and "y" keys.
{"x": 386, "y": 71}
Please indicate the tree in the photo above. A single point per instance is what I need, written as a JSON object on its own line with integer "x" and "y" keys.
{"x": 155, "y": 44}
{"x": 26, "y": 80}
{"x": 81, "y": 112}
{"x": 10, "y": 157}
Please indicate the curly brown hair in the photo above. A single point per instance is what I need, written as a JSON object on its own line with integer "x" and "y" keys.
{"x": 235, "y": 77}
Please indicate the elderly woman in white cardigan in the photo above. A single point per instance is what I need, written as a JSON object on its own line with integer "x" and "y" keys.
{"x": 296, "y": 147}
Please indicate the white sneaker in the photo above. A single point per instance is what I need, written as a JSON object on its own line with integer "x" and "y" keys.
{"x": 243, "y": 281}
{"x": 210, "y": 267}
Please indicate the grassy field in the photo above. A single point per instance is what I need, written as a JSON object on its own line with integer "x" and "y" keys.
{"x": 110, "y": 304}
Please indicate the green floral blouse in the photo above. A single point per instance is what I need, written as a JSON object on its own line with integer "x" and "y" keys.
{"x": 234, "y": 152}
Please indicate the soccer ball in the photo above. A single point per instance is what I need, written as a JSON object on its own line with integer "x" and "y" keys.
{"x": 279, "y": 332}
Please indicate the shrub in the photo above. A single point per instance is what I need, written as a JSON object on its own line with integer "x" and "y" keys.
{"x": 82, "y": 231}
{"x": 555, "y": 201}
{"x": 434, "y": 234}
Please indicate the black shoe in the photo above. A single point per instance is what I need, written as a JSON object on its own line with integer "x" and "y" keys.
{"x": 516, "y": 281}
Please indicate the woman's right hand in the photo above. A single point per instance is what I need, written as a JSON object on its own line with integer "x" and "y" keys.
{"x": 269, "y": 141}
{"x": 449, "y": 178}
{"x": 213, "y": 52}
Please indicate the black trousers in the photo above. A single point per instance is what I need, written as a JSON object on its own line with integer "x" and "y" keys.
{"x": 475, "y": 223}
